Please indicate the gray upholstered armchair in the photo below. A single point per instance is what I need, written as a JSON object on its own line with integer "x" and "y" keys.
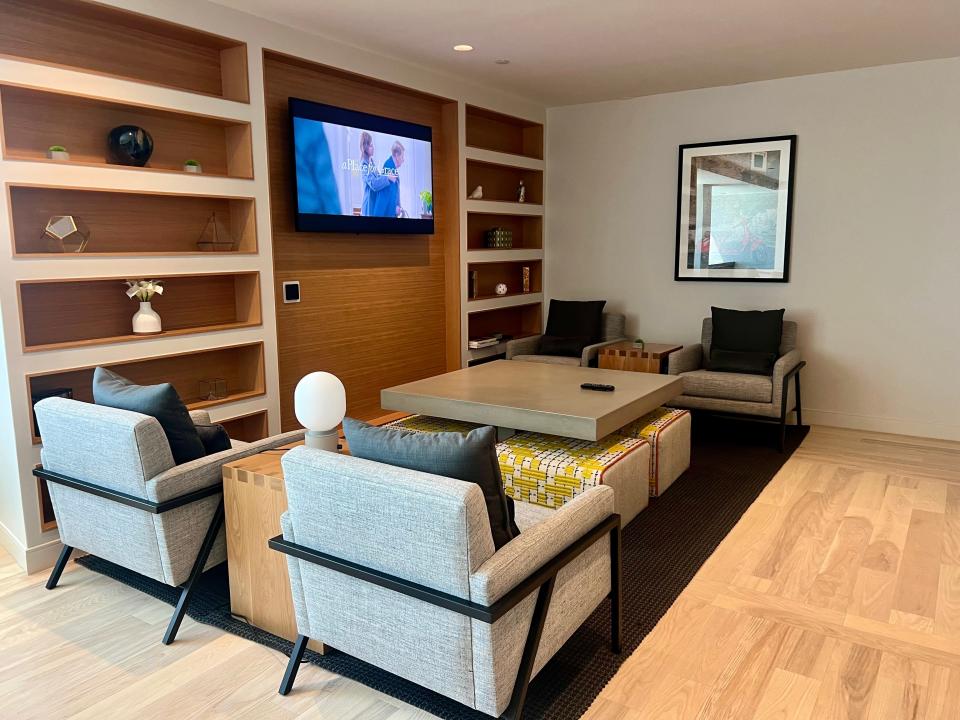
{"x": 759, "y": 396}
{"x": 526, "y": 348}
{"x": 117, "y": 494}
{"x": 398, "y": 568}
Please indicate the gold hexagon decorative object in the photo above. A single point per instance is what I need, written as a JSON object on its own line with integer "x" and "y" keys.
{"x": 69, "y": 232}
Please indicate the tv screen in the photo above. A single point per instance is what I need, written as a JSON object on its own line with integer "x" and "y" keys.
{"x": 360, "y": 173}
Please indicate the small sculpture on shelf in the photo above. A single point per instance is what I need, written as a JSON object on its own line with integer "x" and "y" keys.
{"x": 526, "y": 278}
{"x": 477, "y": 193}
{"x": 68, "y": 233}
{"x": 129, "y": 145}
{"x": 146, "y": 321}
{"x": 215, "y": 237}
{"x": 501, "y": 289}
{"x": 58, "y": 152}
{"x": 213, "y": 389}
{"x": 521, "y": 192}
{"x": 192, "y": 166}
{"x": 499, "y": 238}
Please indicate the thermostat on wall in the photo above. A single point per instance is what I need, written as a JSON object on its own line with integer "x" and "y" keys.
{"x": 291, "y": 291}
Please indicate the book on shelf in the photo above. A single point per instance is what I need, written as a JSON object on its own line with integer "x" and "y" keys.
{"x": 481, "y": 343}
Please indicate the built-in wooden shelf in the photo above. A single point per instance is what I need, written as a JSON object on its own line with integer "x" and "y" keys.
{"x": 500, "y": 158}
{"x": 490, "y": 130}
{"x": 241, "y": 366}
{"x": 248, "y": 428}
{"x": 500, "y": 207}
{"x": 491, "y": 274}
{"x": 64, "y": 313}
{"x": 500, "y": 182}
{"x": 34, "y": 119}
{"x": 527, "y": 230}
{"x": 111, "y": 41}
{"x": 129, "y": 223}
{"x": 518, "y": 321}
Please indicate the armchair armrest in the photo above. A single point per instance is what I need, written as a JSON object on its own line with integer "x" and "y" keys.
{"x": 520, "y": 557}
{"x": 200, "y": 417}
{"x": 590, "y": 352}
{"x": 523, "y": 346}
{"x": 687, "y": 359}
{"x": 208, "y": 470}
{"x": 785, "y": 367}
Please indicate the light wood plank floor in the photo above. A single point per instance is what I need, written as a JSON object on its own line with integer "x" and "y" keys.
{"x": 836, "y": 596}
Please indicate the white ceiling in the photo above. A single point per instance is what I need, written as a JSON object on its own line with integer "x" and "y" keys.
{"x": 572, "y": 51}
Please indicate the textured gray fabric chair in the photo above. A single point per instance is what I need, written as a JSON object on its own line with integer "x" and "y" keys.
{"x": 526, "y": 348}
{"x": 760, "y": 396}
{"x": 117, "y": 493}
{"x": 398, "y": 568}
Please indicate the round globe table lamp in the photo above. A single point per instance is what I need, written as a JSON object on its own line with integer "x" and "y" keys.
{"x": 320, "y": 402}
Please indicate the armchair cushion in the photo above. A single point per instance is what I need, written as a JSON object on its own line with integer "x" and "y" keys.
{"x": 159, "y": 401}
{"x": 573, "y": 319}
{"x": 754, "y": 335}
{"x": 728, "y": 386}
{"x": 214, "y": 438}
{"x": 471, "y": 458}
{"x": 563, "y": 346}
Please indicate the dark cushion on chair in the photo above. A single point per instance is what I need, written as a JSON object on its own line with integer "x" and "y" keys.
{"x": 563, "y": 346}
{"x": 471, "y": 458}
{"x": 159, "y": 401}
{"x": 214, "y": 438}
{"x": 745, "y": 341}
{"x": 576, "y": 319}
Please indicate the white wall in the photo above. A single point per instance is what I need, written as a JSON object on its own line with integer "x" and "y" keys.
{"x": 875, "y": 271}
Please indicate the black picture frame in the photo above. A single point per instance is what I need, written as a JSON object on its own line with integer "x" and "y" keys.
{"x": 682, "y": 237}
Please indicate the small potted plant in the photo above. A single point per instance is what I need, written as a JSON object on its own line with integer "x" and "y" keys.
{"x": 192, "y": 166}
{"x": 426, "y": 202}
{"x": 145, "y": 321}
{"x": 57, "y": 152}
{"x": 639, "y": 344}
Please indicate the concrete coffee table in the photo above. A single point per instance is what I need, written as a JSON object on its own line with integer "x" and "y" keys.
{"x": 537, "y": 397}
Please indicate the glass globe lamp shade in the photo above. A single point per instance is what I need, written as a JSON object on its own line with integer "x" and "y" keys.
{"x": 320, "y": 402}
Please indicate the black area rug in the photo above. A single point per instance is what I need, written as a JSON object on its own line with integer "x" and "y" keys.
{"x": 663, "y": 548}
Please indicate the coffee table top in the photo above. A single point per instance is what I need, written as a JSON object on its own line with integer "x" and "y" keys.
{"x": 536, "y": 396}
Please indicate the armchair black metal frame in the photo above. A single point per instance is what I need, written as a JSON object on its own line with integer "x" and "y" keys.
{"x": 151, "y": 506}
{"x": 543, "y": 579}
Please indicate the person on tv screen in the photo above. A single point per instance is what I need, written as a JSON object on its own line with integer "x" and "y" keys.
{"x": 387, "y": 203}
{"x": 374, "y": 182}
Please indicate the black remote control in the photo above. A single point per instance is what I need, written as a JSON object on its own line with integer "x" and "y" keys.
{"x": 597, "y": 386}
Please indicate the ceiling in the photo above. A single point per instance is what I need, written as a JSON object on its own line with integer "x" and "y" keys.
{"x": 573, "y": 51}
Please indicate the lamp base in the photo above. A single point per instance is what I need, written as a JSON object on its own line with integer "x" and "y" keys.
{"x": 322, "y": 439}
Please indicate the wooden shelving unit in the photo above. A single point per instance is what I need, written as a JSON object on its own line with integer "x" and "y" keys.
{"x": 165, "y": 224}
{"x": 34, "y": 119}
{"x": 241, "y": 366}
{"x": 248, "y": 428}
{"x": 61, "y": 313}
{"x": 119, "y": 43}
{"x": 501, "y": 151}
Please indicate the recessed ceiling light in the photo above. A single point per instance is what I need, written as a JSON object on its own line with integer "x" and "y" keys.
{"x": 463, "y": 48}
{"x": 502, "y": 61}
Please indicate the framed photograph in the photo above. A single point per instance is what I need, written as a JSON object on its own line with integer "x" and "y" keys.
{"x": 734, "y": 207}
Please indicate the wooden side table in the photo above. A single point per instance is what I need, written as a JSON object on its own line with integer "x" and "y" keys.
{"x": 624, "y": 356}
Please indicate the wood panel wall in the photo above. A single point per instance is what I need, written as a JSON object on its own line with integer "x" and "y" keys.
{"x": 375, "y": 310}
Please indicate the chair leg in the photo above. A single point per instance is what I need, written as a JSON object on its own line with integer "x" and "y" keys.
{"x": 522, "y": 683}
{"x": 796, "y": 381}
{"x": 187, "y": 588}
{"x": 58, "y": 567}
{"x": 296, "y": 655}
{"x": 615, "y": 591}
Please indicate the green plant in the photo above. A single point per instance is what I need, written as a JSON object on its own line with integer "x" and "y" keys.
{"x": 57, "y": 148}
{"x": 191, "y": 163}
{"x": 639, "y": 341}
{"x": 426, "y": 197}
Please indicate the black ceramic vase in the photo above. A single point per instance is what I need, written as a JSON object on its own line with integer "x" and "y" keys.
{"x": 129, "y": 145}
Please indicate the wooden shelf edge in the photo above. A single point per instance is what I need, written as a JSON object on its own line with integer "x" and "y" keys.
{"x": 482, "y": 256}
{"x": 504, "y": 301}
{"x": 495, "y": 157}
{"x": 503, "y": 207}
{"x": 16, "y": 157}
{"x": 135, "y": 338}
{"x": 235, "y": 397}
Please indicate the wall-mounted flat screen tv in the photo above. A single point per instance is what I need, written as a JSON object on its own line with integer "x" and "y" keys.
{"x": 360, "y": 173}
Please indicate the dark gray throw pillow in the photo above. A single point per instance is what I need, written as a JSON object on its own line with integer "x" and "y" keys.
{"x": 471, "y": 458}
{"x": 159, "y": 401}
{"x": 576, "y": 318}
{"x": 745, "y": 340}
{"x": 214, "y": 438}
{"x": 563, "y": 346}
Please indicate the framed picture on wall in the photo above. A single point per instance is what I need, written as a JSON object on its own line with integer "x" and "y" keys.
{"x": 734, "y": 207}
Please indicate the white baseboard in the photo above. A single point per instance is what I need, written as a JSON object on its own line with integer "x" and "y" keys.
{"x": 33, "y": 559}
{"x": 872, "y": 423}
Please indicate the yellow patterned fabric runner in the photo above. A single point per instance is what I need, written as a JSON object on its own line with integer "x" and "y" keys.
{"x": 649, "y": 427}
{"x": 545, "y": 470}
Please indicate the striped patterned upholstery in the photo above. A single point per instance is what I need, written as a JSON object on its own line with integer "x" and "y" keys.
{"x": 668, "y": 432}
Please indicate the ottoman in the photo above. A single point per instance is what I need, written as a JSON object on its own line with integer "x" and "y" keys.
{"x": 668, "y": 432}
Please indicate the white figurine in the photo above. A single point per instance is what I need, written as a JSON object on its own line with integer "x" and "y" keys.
{"x": 477, "y": 193}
